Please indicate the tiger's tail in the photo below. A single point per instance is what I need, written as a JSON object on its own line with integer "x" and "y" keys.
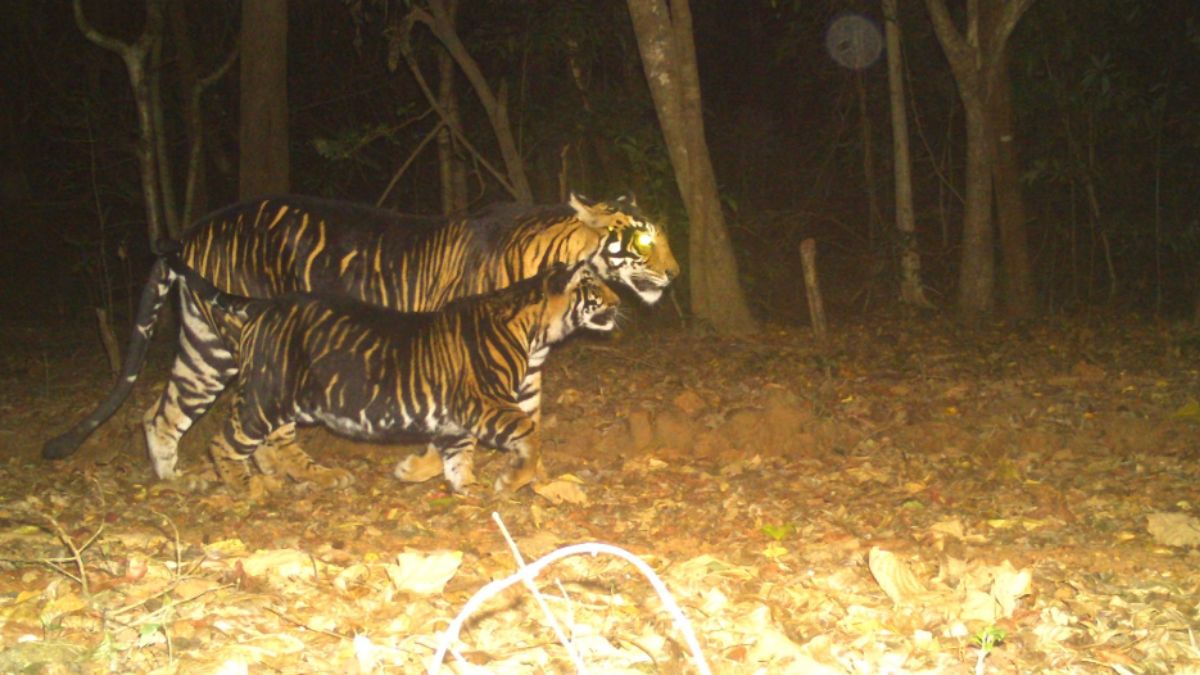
{"x": 153, "y": 295}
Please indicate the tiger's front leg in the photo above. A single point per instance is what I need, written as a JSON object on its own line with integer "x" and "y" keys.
{"x": 453, "y": 457}
{"x": 524, "y": 468}
{"x": 458, "y": 462}
{"x": 515, "y": 430}
{"x": 281, "y": 452}
{"x": 231, "y": 450}
{"x": 529, "y": 397}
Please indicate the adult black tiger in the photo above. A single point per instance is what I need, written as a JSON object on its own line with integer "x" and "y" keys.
{"x": 377, "y": 374}
{"x": 273, "y": 246}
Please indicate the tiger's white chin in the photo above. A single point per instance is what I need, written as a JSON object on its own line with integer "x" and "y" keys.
{"x": 650, "y": 295}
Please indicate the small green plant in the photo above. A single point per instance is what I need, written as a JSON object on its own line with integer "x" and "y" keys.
{"x": 779, "y": 532}
{"x": 987, "y": 640}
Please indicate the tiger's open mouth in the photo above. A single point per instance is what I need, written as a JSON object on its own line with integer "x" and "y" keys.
{"x": 646, "y": 284}
{"x": 604, "y": 320}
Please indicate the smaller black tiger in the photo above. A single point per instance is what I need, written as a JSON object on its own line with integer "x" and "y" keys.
{"x": 376, "y": 374}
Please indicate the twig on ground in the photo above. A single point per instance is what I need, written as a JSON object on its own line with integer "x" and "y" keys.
{"x": 527, "y": 573}
{"x": 541, "y": 601}
{"x": 76, "y": 556}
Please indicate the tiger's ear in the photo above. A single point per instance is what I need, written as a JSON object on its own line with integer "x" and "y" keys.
{"x": 558, "y": 279}
{"x": 563, "y": 277}
{"x": 585, "y": 211}
{"x": 628, "y": 198}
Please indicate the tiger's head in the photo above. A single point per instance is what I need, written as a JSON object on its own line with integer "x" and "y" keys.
{"x": 633, "y": 251}
{"x": 577, "y": 298}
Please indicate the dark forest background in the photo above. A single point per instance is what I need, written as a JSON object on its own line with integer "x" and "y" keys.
{"x": 1106, "y": 95}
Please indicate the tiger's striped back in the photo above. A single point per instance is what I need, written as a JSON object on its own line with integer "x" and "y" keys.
{"x": 412, "y": 263}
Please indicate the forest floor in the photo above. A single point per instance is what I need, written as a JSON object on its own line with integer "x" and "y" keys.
{"x": 882, "y": 503}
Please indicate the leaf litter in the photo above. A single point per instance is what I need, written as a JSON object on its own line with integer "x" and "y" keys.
{"x": 909, "y": 497}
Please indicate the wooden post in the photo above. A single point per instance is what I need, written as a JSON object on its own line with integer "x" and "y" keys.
{"x": 812, "y": 289}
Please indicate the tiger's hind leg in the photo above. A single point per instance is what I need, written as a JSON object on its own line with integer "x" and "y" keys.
{"x": 282, "y": 452}
{"x": 202, "y": 369}
{"x": 418, "y": 468}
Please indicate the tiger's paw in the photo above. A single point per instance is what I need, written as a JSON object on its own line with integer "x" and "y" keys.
{"x": 461, "y": 477}
{"x": 517, "y": 477}
{"x": 194, "y": 482}
{"x": 265, "y": 461}
{"x": 459, "y": 470}
{"x": 419, "y": 468}
{"x": 261, "y": 487}
{"x": 327, "y": 477}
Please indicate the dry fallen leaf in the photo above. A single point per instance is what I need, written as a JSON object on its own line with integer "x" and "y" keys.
{"x": 952, "y": 527}
{"x": 283, "y": 563}
{"x": 560, "y": 491}
{"x": 894, "y": 576}
{"x": 1010, "y": 585}
{"x": 1174, "y": 529}
{"x": 423, "y": 572}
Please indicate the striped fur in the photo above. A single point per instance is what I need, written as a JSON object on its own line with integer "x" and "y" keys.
{"x": 375, "y": 374}
{"x": 273, "y": 246}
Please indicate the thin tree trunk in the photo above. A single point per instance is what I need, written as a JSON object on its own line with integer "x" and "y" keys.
{"x": 166, "y": 183}
{"x": 263, "y": 135}
{"x": 867, "y": 134}
{"x": 912, "y": 291}
{"x": 451, "y": 173}
{"x": 1020, "y": 298}
{"x": 665, "y": 41}
{"x": 196, "y": 186}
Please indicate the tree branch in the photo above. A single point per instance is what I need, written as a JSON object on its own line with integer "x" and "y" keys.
{"x": 419, "y": 15}
{"x": 1009, "y": 18}
{"x": 195, "y": 152}
{"x": 135, "y": 56}
{"x": 958, "y": 52}
{"x": 442, "y": 26}
{"x": 408, "y": 162}
{"x": 111, "y": 44}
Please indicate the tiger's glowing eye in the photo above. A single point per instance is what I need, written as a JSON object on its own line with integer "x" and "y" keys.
{"x": 643, "y": 240}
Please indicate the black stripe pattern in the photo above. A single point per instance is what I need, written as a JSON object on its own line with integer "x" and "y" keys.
{"x": 270, "y": 247}
{"x": 455, "y": 376}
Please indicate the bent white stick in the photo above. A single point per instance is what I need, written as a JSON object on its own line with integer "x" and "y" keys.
{"x": 528, "y": 573}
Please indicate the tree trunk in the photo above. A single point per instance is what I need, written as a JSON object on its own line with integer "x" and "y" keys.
{"x": 976, "y": 55}
{"x": 1020, "y": 297}
{"x": 451, "y": 172}
{"x": 976, "y": 278}
{"x": 867, "y": 134}
{"x": 665, "y": 41}
{"x": 196, "y": 189}
{"x": 912, "y": 292}
{"x": 263, "y": 135}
